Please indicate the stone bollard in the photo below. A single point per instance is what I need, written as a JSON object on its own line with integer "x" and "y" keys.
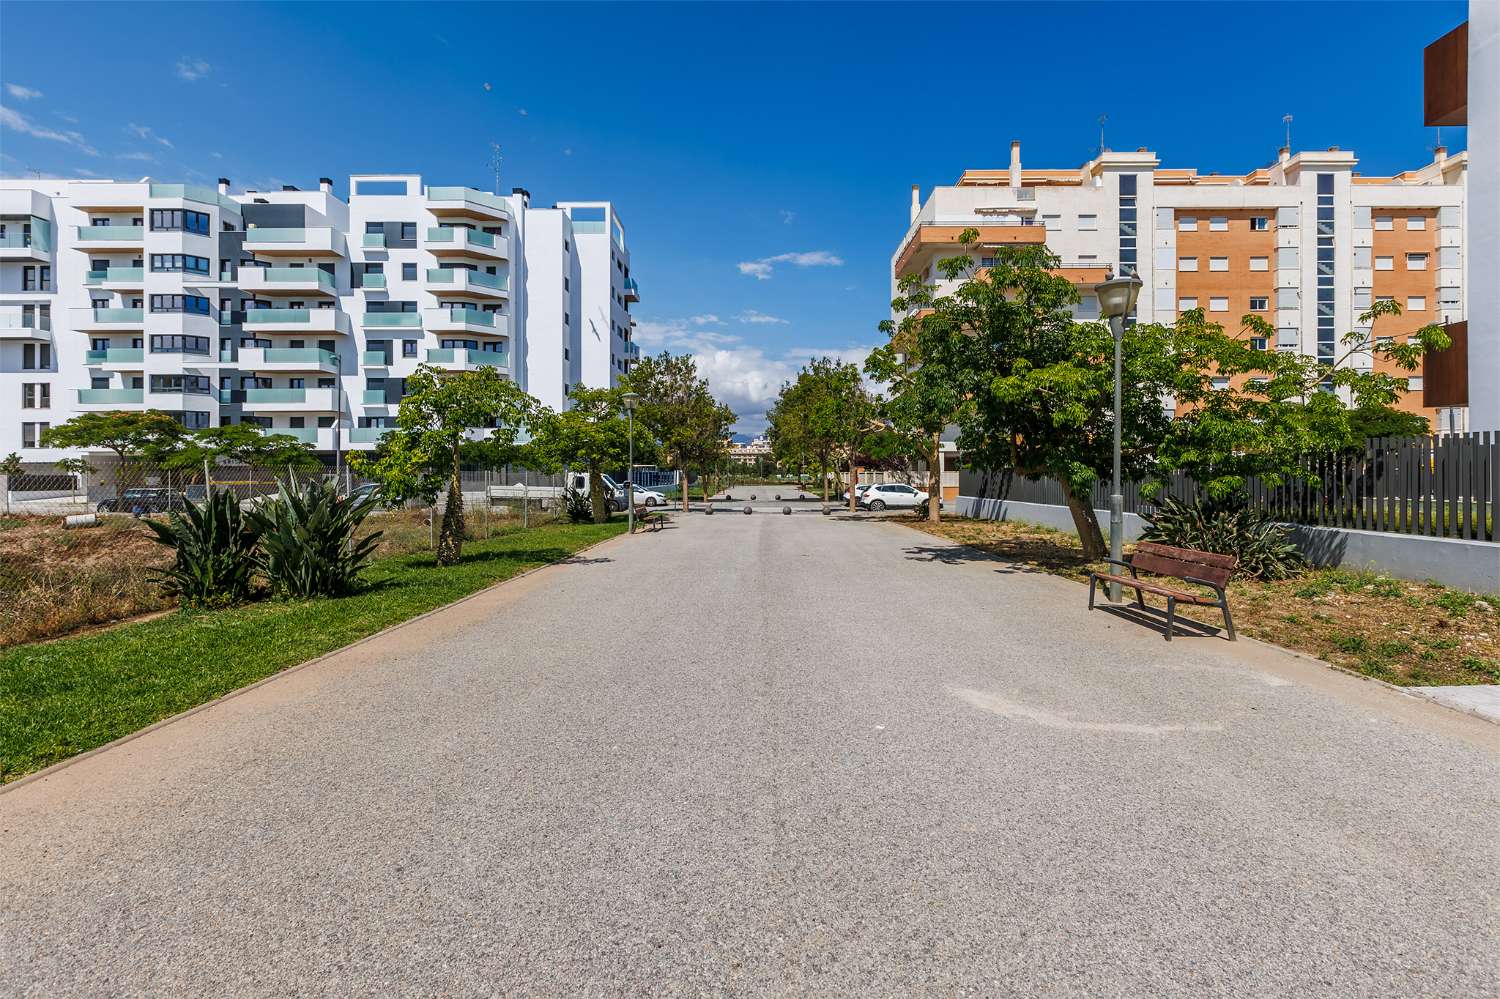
{"x": 709, "y": 509}
{"x": 786, "y": 511}
{"x": 747, "y": 511}
{"x": 826, "y": 510}
{"x": 778, "y": 497}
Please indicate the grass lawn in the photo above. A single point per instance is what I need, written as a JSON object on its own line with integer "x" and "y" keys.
{"x": 1410, "y": 634}
{"x": 62, "y": 698}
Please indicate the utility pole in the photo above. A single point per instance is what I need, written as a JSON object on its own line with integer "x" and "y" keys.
{"x": 495, "y": 161}
{"x": 1102, "y": 119}
{"x": 1286, "y": 120}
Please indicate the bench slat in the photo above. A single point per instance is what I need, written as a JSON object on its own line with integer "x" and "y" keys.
{"x": 1165, "y": 560}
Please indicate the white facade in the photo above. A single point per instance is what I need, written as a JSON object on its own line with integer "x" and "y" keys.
{"x": 295, "y": 310}
{"x": 1484, "y": 216}
{"x": 607, "y": 346}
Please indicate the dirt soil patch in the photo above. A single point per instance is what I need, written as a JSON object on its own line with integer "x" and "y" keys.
{"x": 1411, "y": 634}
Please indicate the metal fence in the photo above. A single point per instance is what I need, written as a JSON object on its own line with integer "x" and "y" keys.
{"x": 1443, "y": 486}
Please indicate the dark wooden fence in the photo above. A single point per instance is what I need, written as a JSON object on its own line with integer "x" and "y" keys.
{"x": 1438, "y": 486}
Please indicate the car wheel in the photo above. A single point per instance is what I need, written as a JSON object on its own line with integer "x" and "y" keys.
{"x": 877, "y": 506}
{"x": 650, "y": 500}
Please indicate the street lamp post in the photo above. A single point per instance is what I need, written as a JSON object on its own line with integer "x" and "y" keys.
{"x": 1117, "y": 297}
{"x": 631, "y": 399}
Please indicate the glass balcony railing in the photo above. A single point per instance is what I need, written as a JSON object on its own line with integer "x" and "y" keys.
{"x": 462, "y": 355}
{"x": 373, "y": 397}
{"x": 368, "y": 435}
{"x": 271, "y": 235}
{"x": 374, "y": 358}
{"x": 276, "y": 395}
{"x": 460, "y": 234}
{"x": 104, "y": 397}
{"x": 391, "y": 319}
{"x": 307, "y": 435}
{"x": 440, "y": 275}
{"x": 467, "y": 194}
{"x": 111, "y": 233}
{"x": 374, "y": 241}
{"x": 443, "y": 356}
{"x": 194, "y": 192}
{"x": 115, "y": 275}
{"x": 227, "y": 356}
{"x": 472, "y": 317}
{"x": 487, "y": 280}
{"x": 115, "y": 355}
{"x": 301, "y": 355}
{"x": 375, "y": 282}
{"x": 119, "y": 315}
{"x": 278, "y": 316}
{"x": 447, "y": 275}
{"x": 17, "y": 238}
{"x": 289, "y": 275}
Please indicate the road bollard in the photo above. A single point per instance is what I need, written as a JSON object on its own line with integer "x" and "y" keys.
{"x": 747, "y": 511}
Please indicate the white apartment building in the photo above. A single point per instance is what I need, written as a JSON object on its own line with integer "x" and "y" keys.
{"x": 295, "y": 310}
{"x": 1307, "y": 242}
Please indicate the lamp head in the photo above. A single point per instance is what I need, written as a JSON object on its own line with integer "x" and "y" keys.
{"x": 1117, "y": 295}
{"x": 631, "y": 399}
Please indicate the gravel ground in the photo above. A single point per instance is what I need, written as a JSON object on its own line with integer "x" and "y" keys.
{"x": 690, "y": 763}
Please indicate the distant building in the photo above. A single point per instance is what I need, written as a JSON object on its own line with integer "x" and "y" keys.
{"x": 758, "y": 449}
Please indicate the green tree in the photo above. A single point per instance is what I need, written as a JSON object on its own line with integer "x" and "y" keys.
{"x": 679, "y": 411}
{"x": 446, "y": 420}
{"x": 591, "y": 434}
{"x": 79, "y": 467}
{"x": 821, "y": 417}
{"x": 129, "y": 435}
{"x": 242, "y": 442}
{"x": 10, "y": 467}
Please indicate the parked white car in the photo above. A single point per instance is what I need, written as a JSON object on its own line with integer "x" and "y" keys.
{"x": 644, "y": 496}
{"x": 893, "y": 496}
{"x": 859, "y": 490}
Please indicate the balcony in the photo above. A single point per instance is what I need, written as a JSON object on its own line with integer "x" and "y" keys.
{"x": 17, "y": 325}
{"x": 943, "y": 237}
{"x": 466, "y": 321}
{"x": 375, "y": 397}
{"x": 459, "y": 281}
{"x": 284, "y": 400}
{"x": 448, "y": 201}
{"x": 296, "y": 321}
{"x": 386, "y": 320}
{"x": 111, "y": 397}
{"x": 18, "y": 244}
{"x": 460, "y": 241}
{"x": 372, "y": 282}
{"x": 109, "y": 319}
{"x": 368, "y": 435}
{"x": 632, "y": 290}
{"x": 464, "y": 359}
{"x": 288, "y": 359}
{"x": 373, "y": 241}
{"x": 119, "y": 278}
{"x": 320, "y": 241}
{"x": 306, "y": 435}
{"x": 116, "y": 357}
{"x": 110, "y": 237}
{"x": 374, "y": 359}
{"x": 287, "y": 280}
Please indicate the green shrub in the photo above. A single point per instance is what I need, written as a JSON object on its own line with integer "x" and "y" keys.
{"x": 308, "y": 538}
{"x": 215, "y": 552}
{"x": 577, "y": 506}
{"x": 1260, "y": 545}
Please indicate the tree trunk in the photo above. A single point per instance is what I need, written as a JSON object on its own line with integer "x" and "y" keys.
{"x": 1084, "y": 522}
{"x": 853, "y": 480}
{"x": 597, "y": 498}
{"x": 682, "y": 477}
{"x": 450, "y": 546}
{"x": 823, "y": 469}
{"x": 935, "y": 479}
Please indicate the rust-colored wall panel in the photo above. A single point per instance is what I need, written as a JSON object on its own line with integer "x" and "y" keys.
{"x": 1445, "y": 79}
{"x": 1445, "y": 374}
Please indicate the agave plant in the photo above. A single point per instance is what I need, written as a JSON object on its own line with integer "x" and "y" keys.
{"x": 216, "y": 552}
{"x": 1261, "y": 545}
{"x": 307, "y": 535}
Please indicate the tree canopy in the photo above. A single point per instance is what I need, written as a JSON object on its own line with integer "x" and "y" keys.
{"x": 821, "y": 416}
{"x": 591, "y": 434}
{"x": 679, "y": 411}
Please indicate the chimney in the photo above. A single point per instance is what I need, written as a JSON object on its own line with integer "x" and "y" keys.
{"x": 525, "y": 196}
{"x": 1440, "y": 155}
{"x": 223, "y": 185}
{"x": 325, "y": 185}
{"x": 1015, "y": 163}
{"x": 1284, "y": 155}
{"x": 916, "y": 201}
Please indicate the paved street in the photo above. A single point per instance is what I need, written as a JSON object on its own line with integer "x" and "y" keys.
{"x": 772, "y": 756}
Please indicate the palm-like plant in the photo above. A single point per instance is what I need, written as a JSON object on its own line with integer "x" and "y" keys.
{"x": 216, "y": 552}
{"x": 307, "y": 535}
{"x": 1263, "y": 548}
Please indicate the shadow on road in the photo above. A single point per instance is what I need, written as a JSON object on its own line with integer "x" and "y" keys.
{"x": 1155, "y": 619}
{"x": 1008, "y": 558}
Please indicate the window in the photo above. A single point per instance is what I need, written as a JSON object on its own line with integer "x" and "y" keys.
{"x": 1260, "y": 263}
{"x": 1218, "y": 305}
{"x": 408, "y": 230}
{"x": 1361, "y": 299}
{"x": 408, "y": 348}
{"x": 1052, "y": 221}
{"x": 195, "y": 304}
{"x": 991, "y": 264}
{"x": 1259, "y": 303}
{"x": 175, "y": 344}
{"x": 1416, "y": 223}
{"x": 1258, "y": 343}
{"x": 1218, "y": 223}
{"x": 408, "y": 272}
{"x": 194, "y": 384}
{"x": 1414, "y": 383}
{"x": 1288, "y": 298}
{"x": 1220, "y": 384}
{"x": 36, "y": 395}
{"x": 1416, "y": 261}
{"x": 1187, "y": 223}
{"x": 1384, "y": 222}
{"x": 1286, "y": 258}
{"x": 1218, "y": 263}
{"x": 179, "y": 262}
{"x": 36, "y": 357}
{"x": 1288, "y": 217}
{"x": 1186, "y": 304}
{"x": 1187, "y": 263}
{"x": 178, "y": 220}
{"x": 1088, "y": 223}
{"x": 1416, "y": 303}
{"x": 1362, "y": 258}
{"x": 1385, "y": 263}
{"x": 1259, "y": 223}
{"x": 1384, "y": 298}
{"x": 31, "y": 434}
{"x": 1384, "y": 341}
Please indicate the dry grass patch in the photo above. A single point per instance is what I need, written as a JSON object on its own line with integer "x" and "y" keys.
{"x": 1412, "y": 634}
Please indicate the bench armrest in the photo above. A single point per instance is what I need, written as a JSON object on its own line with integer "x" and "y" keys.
{"x": 1116, "y": 561}
{"x": 1203, "y": 582}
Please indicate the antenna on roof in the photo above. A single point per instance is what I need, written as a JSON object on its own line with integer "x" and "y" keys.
{"x": 1286, "y": 120}
{"x": 495, "y": 160}
{"x": 1102, "y": 119}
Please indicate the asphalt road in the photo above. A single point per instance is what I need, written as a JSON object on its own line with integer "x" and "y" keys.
{"x": 771, "y": 756}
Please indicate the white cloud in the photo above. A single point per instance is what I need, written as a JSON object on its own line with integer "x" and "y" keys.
{"x": 142, "y": 157}
{"x": 761, "y": 318}
{"x": 707, "y": 319}
{"x": 217, "y": 156}
{"x": 190, "y": 68}
{"x": 21, "y": 93}
{"x": 568, "y": 151}
{"x": 761, "y": 269}
{"x": 522, "y": 112}
{"x": 788, "y": 217}
{"x": 144, "y": 132}
{"x": 16, "y": 121}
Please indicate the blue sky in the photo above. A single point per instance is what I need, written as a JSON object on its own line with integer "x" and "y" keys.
{"x": 761, "y": 156}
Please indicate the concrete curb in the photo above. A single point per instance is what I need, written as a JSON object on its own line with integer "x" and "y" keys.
{"x": 282, "y": 674}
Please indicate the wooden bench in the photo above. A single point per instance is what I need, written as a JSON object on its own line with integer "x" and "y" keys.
{"x": 1186, "y": 564}
{"x": 649, "y": 518}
